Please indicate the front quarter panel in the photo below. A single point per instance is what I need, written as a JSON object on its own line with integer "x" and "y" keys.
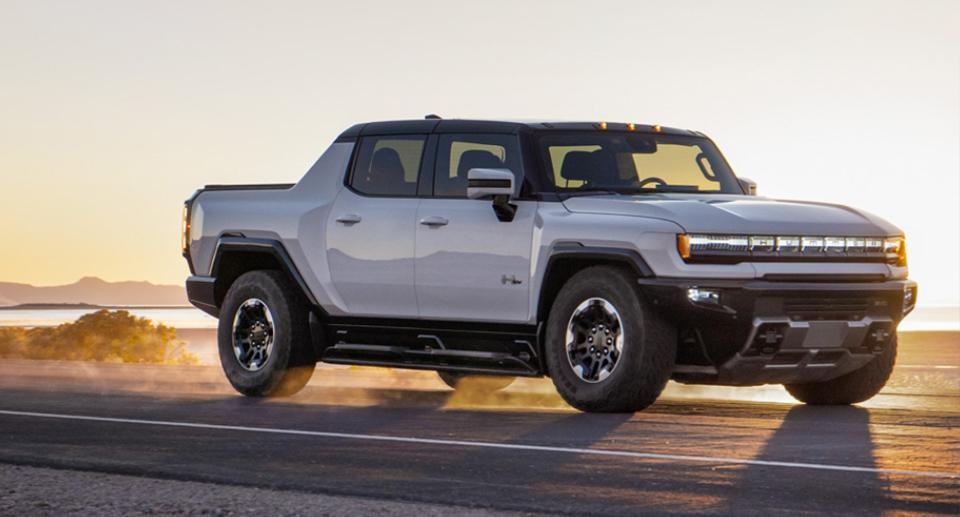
{"x": 555, "y": 226}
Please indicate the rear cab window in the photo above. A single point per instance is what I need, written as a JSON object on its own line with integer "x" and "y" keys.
{"x": 388, "y": 165}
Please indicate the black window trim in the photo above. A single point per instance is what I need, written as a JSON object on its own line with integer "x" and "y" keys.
{"x": 428, "y": 167}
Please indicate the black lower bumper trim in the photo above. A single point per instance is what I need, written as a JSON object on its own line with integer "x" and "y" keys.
{"x": 200, "y": 292}
{"x": 748, "y": 332}
{"x": 745, "y": 299}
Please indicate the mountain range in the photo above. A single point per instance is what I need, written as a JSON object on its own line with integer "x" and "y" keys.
{"x": 92, "y": 290}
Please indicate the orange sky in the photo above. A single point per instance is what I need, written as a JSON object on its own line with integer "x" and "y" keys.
{"x": 112, "y": 112}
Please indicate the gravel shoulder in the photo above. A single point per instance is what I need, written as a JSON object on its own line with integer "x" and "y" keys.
{"x": 43, "y": 491}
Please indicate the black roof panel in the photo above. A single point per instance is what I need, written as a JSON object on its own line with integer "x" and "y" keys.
{"x": 395, "y": 127}
{"x": 425, "y": 126}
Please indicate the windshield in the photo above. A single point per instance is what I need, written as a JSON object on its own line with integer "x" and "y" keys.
{"x": 630, "y": 163}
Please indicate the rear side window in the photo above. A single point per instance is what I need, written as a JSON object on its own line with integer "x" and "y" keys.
{"x": 388, "y": 165}
{"x": 460, "y": 153}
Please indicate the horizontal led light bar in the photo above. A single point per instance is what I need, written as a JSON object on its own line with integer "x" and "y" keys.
{"x": 740, "y": 248}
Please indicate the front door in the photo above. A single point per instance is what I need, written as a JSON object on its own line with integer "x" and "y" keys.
{"x": 470, "y": 265}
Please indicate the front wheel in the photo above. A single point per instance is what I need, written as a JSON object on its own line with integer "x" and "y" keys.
{"x": 606, "y": 350}
{"x": 855, "y": 387}
{"x": 263, "y": 336}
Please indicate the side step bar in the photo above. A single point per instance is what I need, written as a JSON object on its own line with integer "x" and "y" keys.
{"x": 428, "y": 359}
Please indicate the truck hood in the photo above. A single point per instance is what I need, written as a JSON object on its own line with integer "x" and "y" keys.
{"x": 734, "y": 214}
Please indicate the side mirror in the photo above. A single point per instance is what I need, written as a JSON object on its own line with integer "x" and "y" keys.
{"x": 748, "y": 185}
{"x": 496, "y": 184}
{"x": 484, "y": 183}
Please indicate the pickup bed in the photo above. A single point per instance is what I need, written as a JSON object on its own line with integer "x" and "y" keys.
{"x": 611, "y": 257}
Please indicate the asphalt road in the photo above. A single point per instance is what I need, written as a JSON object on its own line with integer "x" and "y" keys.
{"x": 400, "y": 436}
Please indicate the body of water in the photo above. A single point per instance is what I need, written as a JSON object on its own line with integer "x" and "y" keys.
{"x": 176, "y": 317}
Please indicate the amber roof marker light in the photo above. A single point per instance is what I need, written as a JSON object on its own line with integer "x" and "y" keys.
{"x": 631, "y": 127}
{"x": 657, "y": 129}
{"x": 602, "y": 126}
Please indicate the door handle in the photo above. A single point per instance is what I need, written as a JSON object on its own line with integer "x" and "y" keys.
{"x": 434, "y": 221}
{"x": 349, "y": 219}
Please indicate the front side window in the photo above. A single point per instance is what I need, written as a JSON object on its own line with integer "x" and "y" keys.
{"x": 388, "y": 165}
{"x": 635, "y": 163}
{"x": 460, "y": 153}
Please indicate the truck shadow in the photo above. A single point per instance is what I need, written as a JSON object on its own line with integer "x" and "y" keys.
{"x": 809, "y": 435}
{"x": 561, "y": 480}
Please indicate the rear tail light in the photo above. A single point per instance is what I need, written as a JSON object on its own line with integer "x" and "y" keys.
{"x": 185, "y": 230}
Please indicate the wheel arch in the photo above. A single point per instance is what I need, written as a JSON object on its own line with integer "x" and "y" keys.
{"x": 566, "y": 260}
{"x": 235, "y": 256}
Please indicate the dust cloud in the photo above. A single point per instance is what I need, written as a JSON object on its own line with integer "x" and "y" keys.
{"x": 102, "y": 336}
{"x": 114, "y": 352}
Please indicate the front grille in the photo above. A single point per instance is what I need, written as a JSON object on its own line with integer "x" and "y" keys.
{"x": 828, "y": 308}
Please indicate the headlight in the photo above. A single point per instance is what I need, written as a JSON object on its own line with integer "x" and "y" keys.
{"x": 811, "y": 244}
{"x": 788, "y": 244}
{"x": 895, "y": 251}
{"x": 730, "y": 249}
{"x": 834, "y": 244}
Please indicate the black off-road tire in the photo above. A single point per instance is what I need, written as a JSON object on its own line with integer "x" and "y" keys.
{"x": 649, "y": 344}
{"x": 290, "y": 364}
{"x": 487, "y": 383}
{"x": 852, "y": 388}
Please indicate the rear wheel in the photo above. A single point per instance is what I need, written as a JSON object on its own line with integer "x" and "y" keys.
{"x": 852, "y": 388}
{"x": 488, "y": 383}
{"x": 606, "y": 350}
{"x": 263, "y": 336}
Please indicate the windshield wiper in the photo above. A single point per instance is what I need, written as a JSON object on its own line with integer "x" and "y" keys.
{"x": 592, "y": 190}
{"x": 677, "y": 188}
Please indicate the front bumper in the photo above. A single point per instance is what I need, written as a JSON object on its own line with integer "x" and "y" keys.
{"x": 758, "y": 332}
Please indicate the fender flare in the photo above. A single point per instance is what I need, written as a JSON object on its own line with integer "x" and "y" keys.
{"x": 628, "y": 256}
{"x": 270, "y": 247}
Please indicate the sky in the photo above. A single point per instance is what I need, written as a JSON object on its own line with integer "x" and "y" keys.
{"x": 113, "y": 112}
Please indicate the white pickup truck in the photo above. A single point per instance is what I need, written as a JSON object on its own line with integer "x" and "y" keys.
{"x": 611, "y": 257}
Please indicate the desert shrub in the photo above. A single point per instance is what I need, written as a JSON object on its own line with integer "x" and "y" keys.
{"x": 108, "y": 336}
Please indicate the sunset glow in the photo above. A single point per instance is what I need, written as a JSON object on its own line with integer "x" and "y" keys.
{"x": 114, "y": 112}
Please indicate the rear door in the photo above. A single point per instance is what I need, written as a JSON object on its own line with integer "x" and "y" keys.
{"x": 370, "y": 233}
{"x": 470, "y": 265}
